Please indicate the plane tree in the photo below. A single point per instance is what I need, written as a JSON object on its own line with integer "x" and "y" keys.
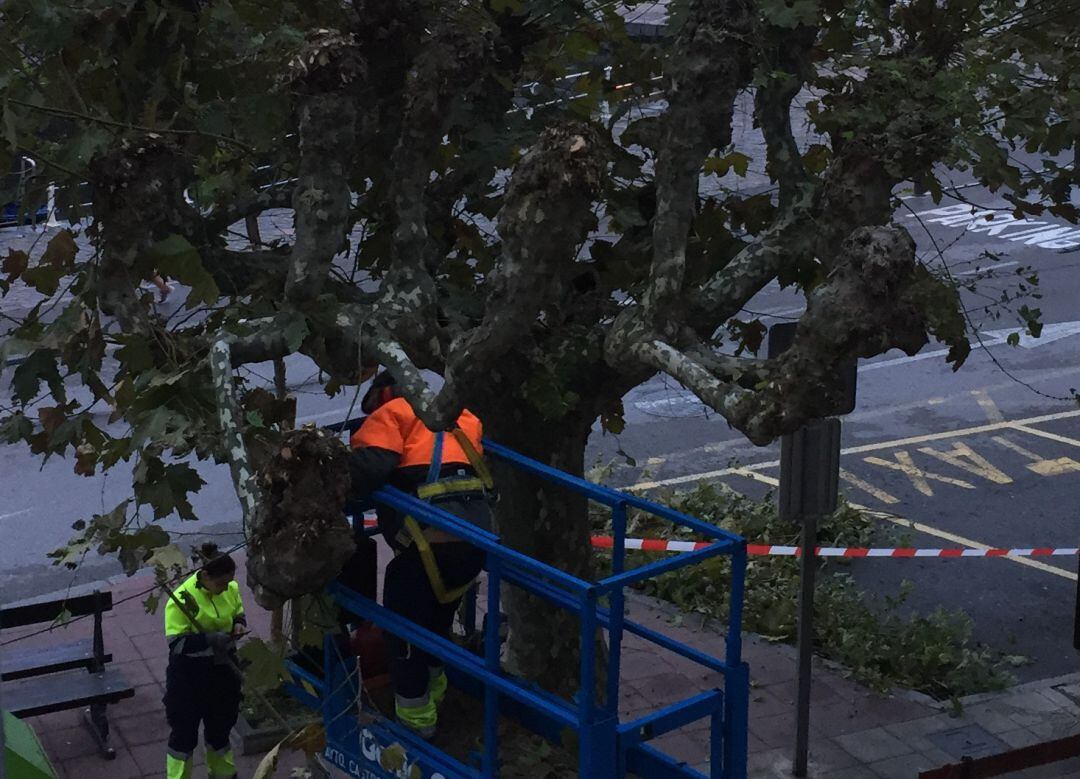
{"x": 517, "y": 195}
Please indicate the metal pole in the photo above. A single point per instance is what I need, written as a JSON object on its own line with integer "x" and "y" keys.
{"x": 807, "y": 569}
{"x": 3, "y": 742}
{"x": 1076, "y": 617}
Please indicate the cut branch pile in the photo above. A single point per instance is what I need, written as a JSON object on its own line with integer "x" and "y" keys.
{"x": 300, "y": 540}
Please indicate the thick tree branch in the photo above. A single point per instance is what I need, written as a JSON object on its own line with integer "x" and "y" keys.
{"x": 710, "y": 64}
{"x": 783, "y": 162}
{"x": 221, "y": 367}
{"x": 719, "y": 392}
{"x": 136, "y": 204}
{"x": 875, "y": 299}
{"x": 555, "y": 183}
{"x": 278, "y": 196}
{"x": 325, "y": 72}
{"x": 446, "y": 65}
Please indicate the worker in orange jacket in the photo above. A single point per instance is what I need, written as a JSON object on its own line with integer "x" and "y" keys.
{"x": 431, "y": 569}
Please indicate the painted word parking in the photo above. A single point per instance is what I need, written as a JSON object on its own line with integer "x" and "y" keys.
{"x": 1000, "y": 224}
{"x": 950, "y": 478}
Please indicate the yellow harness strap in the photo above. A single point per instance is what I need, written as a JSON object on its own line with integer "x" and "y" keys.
{"x": 431, "y": 567}
{"x": 412, "y": 532}
{"x": 475, "y": 460}
{"x": 438, "y": 489}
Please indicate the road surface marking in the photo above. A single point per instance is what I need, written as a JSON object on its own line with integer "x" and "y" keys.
{"x": 933, "y": 531}
{"x": 1044, "y": 434}
{"x": 1045, "y": 235}
{"x": 920, "y": 479}
{"x": 997, "y": 266}
{"x": 967, "y": 459}
{"x": 1019, "y": 424}
{"x": 987, "y": 404}
{"x": 1040, "y": 464}
{"x": 868, "y": 488}
{"x": 755, "y": 476}
{"x": 15, "y": 513}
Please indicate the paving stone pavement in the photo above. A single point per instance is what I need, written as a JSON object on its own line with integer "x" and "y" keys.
{"x": 855, "y": 733}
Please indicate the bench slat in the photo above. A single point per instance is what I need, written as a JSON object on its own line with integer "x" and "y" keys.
{"x": 49, "y": 659}
{"x": 58, "y": 692}
{"x": 36, "y": 612}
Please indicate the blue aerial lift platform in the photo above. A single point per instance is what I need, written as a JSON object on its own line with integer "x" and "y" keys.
{"x": 608, "y": 748}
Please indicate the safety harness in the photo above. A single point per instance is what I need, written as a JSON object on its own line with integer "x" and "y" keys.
{"x": 436, "y": 490}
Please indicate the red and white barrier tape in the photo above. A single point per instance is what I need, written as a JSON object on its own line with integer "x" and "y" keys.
{"x": 659, "y": 545}
{"x": 662, "y": 545}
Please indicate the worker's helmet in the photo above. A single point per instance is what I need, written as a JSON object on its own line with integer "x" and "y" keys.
{"x": 382, "y": 390}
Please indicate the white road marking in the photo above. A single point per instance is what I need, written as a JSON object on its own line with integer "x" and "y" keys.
{"x": 997, "y": 266}
{"x": 987, "y": 404}
{"x": 1050, "y": 333}
{"x": 15, "y": 513}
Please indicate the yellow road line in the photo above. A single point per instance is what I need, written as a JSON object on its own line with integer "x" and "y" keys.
{"x": 755, "y": 476}
{"x": 868, "y": 488}
{"x": 1017, "y": 424}
{"x": 967, "y": 459}
{"x": 918, "y": 477}
{"x": 962, "y": 541}
{"x": 752, "y": 472}
{"x": 1039, "y": 464}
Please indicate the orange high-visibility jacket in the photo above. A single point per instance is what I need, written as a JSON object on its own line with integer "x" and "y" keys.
{"x": 395, "y": 427}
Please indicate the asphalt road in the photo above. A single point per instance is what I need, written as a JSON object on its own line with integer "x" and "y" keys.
{"x": 989, "y": 455}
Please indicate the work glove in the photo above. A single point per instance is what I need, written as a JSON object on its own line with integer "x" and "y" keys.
{"x": 222, "y": 644}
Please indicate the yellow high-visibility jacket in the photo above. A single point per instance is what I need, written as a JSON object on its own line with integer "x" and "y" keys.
{"x": 214, "y": 613}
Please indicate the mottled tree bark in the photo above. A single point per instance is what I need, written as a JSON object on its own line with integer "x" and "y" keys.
{"x": 549, "y": 524}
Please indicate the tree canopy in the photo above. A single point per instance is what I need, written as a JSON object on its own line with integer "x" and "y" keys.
{"x": 477, "y": 191}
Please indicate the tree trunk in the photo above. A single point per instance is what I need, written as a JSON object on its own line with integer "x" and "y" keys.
{"x": 549, "y": 524}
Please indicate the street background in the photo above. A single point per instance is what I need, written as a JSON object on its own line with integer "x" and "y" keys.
{"x": 987, "y": 455}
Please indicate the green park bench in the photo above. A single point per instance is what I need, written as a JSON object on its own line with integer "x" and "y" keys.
{"x": 43, "y": 680}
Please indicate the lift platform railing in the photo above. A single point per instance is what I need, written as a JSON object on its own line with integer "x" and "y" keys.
{"x": 358, "y": 739}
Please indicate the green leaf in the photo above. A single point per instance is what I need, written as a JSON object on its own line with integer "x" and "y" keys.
{"x": 15, "y": 264}
{"x": 734, "y": 161}
{"x": 790, "y": 13}
{"x": 1013, "y": 339}
{"x": 816, "y": 158}
{"x": 295, "y": 333}
{"x": 165, "y": 487}
{"x": 176, "y": 258}
{"x": 135, "y": 355}
{"x": 168, "y": 559}
{"x": 612, "y": 419}
{"x": 39, "y": 366}
{"x": 265, "y": 667}
{"x": 15, "y": 428}
{"x": 61, "y": 251}
{"x": 44, "y": 278}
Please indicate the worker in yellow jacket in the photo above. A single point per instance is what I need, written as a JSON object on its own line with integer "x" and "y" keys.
{"x": 203, "y": 618}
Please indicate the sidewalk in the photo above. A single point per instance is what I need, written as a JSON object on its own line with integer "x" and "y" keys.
{"x": 855, "y": 733}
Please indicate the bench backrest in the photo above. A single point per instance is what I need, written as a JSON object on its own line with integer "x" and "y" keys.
{"x": 49, "y": 611}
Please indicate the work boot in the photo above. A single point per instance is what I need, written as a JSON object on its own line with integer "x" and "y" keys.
{"x": 220, "y": 764}
{"x": 417, "y": 714}
{"x": 177, "y": 766}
